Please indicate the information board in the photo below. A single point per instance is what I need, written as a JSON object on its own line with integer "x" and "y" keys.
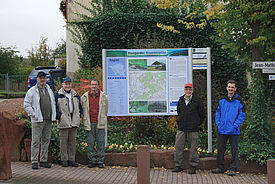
{"x": 145, "y": 82}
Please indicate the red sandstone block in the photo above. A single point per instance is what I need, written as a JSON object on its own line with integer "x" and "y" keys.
{"x": 207, "y": 163}
{"x": 15, "y": 130}
{"x": 5, "y": 162}
{"x": 122, "y": 159}
{"x": 271, "y": 171}
{"x": 143, "y": 164}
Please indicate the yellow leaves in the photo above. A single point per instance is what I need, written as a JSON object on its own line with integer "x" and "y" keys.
{"x": 191, "y": 25}
{"x": 167, "y": 28}
{"x": 214, "y": 11}
{"x": 165, "y": 4}
{"x": 257, "y": 41}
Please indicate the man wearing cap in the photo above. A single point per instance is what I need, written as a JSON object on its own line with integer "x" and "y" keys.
{"x": 95, "y": 108}
{"x": 68, "y": 110}
{"x": 191, "y": 113}
{"x": 39, "y": 103}
{"x": 230, "y": 114}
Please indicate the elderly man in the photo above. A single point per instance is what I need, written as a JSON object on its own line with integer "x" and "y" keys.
{"x": 39, "y": 103}
{"x": 68, "y": 109}
{"x": 95, "y": 108}
{"x": 191, "y": 113}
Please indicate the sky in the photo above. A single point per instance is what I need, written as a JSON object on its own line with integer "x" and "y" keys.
{"x": 24, "y": 22}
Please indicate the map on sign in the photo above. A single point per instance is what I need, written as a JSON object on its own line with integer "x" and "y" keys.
{"x": 147, "y": 86}
{"x": 145, "y": 81}
{"x": 116, "y": 68}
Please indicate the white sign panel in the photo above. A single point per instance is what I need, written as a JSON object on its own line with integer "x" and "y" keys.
{"x": 142, "y": 82}
{"x": 199, "y": 50}
{"x": 199, "y": 56}
{"x": 271, "y": 77}
{"x": 269, "y": 70}
{"x": 263, "y": 64}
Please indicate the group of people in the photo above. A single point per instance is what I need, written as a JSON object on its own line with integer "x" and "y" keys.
{"x": 66, "y": 108}
{"x": 229, "y": 116}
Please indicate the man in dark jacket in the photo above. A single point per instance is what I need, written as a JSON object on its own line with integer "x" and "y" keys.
{"x": 191, "y": 113}
{"x": 229, "y": 117}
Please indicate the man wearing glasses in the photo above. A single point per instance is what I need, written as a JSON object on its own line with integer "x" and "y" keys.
{"x": 191, "y": 113}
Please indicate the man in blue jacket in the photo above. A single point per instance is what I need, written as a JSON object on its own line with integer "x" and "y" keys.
{"x": 229, "y": 117}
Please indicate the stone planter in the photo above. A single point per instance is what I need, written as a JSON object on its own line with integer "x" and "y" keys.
{"x": 165, "y": 158}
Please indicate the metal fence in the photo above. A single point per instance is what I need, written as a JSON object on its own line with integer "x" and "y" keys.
{"x": 13, "y": 82}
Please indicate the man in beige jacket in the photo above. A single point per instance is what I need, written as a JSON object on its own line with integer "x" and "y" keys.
{"x": 95, "y": 108}
{"x": 68, "y": 111}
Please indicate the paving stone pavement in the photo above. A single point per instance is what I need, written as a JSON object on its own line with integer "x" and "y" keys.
{"x": 23, "y": 174}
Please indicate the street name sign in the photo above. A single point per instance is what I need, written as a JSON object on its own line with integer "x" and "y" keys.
{"x": 269, "y": 70}
{"x": 263, "y": 64}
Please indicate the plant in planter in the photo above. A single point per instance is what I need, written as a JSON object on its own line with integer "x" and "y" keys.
{"x": 28, "y": 134}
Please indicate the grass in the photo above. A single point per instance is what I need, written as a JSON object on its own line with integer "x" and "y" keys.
{"x": 11, "y": 94}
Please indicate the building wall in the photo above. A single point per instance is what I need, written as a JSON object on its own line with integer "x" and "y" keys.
{"x": 72, "y": 58}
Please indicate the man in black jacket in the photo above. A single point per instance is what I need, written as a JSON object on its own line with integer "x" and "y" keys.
{"x": 191, "y": 113}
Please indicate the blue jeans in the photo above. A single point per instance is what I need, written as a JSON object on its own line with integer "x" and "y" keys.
{"x": 96, "y": 142}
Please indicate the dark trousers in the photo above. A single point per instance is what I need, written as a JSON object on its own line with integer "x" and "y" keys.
{"x": 222, "y": 141}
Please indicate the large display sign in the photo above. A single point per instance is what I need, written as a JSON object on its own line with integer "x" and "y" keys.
{"x": 145, "y": 82}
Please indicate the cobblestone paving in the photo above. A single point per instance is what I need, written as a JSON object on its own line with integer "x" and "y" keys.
{"x": 23, "y": 174}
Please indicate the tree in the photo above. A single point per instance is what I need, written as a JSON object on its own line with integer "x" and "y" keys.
{"x": 41, "y": 55}
{"x": 9, "y": 61}
{"x": 245, "y": 28}
{"x": 60, "y": 50}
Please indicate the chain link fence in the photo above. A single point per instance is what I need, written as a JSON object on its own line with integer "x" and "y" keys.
{"x": 14, "y": 83}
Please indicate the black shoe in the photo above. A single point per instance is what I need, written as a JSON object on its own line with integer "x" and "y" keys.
{"x": 65, "y": 164}
{"x": 218, "y": 171}
{"x": 231, "y": 173}
{"x": 177, "y": 169}
{"x": 73, "y": 164}
{"x": 91, "y": 165}
{"x": 192, "y": 170}
{"x": 100, "y": 165}
{"x": 34, "y": 165}
{"x": 45, "y": 164}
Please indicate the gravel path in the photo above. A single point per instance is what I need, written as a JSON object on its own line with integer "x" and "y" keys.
{"x": 13, "y": 106}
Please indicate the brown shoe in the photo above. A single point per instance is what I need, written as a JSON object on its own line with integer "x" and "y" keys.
{"x": 218, "y": 171}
